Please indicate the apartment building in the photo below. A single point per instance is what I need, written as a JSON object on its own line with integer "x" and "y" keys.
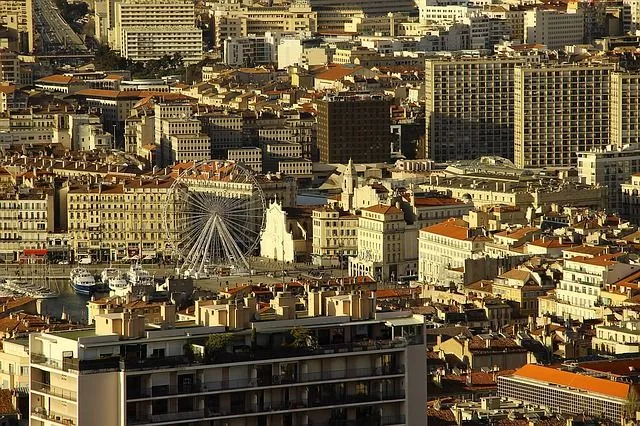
{"x": 9, "y": 65}
{"x": 354, "y": 128}
{"x": 149, "y": 42}
{"x": 27, "y": 218}
{"x": 386, "y": 245}
{"x": 553, "y": 28}
{"x": 14, "y": 364}
{"x": 469, "y": 108}
{"x": 234, "y": 21}
{"x": 559, "y": 111}
{"x": 578, "y": 295}
{"x": 567, "y": 392}
{"x": 445, "y": 247}
{"x": 335, "y": 236}
{"x": 610, "y": 167}
{"x": 149, "y": 29}
{"x": 631, "y": 198}
{"x": 349, "y": 365}
{"x": 622, "y": 337}
{"x": 179, "y": 136}
{"x": 17, "y": 17}
{"x": 113, "y": 222}
{"x": 624, "y": 108}
{"x": 224, "y": 130}
{"x": 248, "y": 156}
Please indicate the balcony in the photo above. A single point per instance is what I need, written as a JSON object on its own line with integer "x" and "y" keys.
{"x": 61, "y": 419}
{"x": 249, "y": 409}
{"x": 54, "y": 391}
{"x": 76, "y": 365}
{"x": 204, "y": 387}
{"x": 264, "y": 354}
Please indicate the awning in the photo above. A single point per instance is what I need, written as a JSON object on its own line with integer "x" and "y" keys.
{"x": 401, "y": 322}
{"x": 34, "y": 252}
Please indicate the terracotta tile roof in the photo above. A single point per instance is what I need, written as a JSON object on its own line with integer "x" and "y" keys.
{"x": 589, "y": 250}
{"x": 383, "y": 209}
{"x": 396, "y": 293}
{"x": 518, "y": 233}
{"x": 336, "y": 73}
{"x": 436, "y": 201}
{"x": 7, "y": 88}
{"x": 551, "y": 243}
{"x": 602, "y": 260}
{"x": 453, "y": 228}
{"x": 516, "y": 274}
{"x": 496, "y": 344}
{"x": 57, "y": 79}
{"x": 482, "y": 285}
{"x": 574, "y": 380}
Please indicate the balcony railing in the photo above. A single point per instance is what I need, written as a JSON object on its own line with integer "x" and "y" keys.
{"x": 61, "y": 419}
{"x": 74, "y": 364}
{"x": 263, "y": 354}
{"x": 269, "y": 408}
{"x": 54, "y": 390}
{"x": 197, "y": 387}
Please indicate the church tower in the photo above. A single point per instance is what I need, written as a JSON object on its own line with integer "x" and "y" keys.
{"x": 349, "y": 184}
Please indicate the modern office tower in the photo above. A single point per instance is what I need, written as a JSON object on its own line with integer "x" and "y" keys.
{"x": 560, "y": 110}
{"x": 149, "y": 29}
{"x": 553, "y": 28}
{"x": 610, "y": 167}
{"x": 469, "y": 108}
{"x": 17, "y": 17}
{"x": 354, "y": 127}
{"x": 343, "y": 364}
{"x": 624, "y": 108}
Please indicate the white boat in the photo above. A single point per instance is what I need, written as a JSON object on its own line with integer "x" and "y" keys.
{"x": 83, "y": 282}
{"x": 118, "y": 286}
{"x": 108, "y": 273}
{"x": 138, "y": 276}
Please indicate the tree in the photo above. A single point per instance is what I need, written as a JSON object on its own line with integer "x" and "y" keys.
{"x": 632, "y": 405}
{"x": 216, "y": 343}
{"x": 302, "y": 338}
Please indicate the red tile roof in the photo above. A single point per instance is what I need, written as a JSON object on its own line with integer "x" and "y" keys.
{"x": 383, "y": 209}
{"x": 453, "y": 228}
{"x": 58, "y": 79}
{"x": 436, "y": 201}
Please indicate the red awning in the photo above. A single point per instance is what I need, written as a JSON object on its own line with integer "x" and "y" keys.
{"x": 34, "y": 252}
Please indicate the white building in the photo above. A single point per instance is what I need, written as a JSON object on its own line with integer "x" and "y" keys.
{"x": 287, "y": 234}
{"x": 445, "y": 247}
{"x": 145, "y": 43}
{"x": 611, "y": 166}
{"x": 386, "y": 245}
{"x": 578, "y": 296}
{"x": 553, "y": 28}
{"x": 26, "y": 221}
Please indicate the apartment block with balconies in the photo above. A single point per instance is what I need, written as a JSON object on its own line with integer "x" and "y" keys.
{"x": 348, "y": 364}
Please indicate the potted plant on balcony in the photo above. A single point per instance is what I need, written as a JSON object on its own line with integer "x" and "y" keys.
{"x": 215, "y": 345}
{"x": 302, "y": 339}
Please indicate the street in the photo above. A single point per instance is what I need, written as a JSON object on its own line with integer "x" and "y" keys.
{"x": 55, "y": 34}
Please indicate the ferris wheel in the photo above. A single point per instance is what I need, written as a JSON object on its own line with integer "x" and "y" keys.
{"x": 214, "y": 215}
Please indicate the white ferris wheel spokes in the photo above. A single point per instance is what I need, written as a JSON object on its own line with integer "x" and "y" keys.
{"x": 214, "y": 221}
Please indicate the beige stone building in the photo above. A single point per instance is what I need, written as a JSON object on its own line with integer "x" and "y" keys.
{"x": 335, "y": 235}
{"x": 624, "y": 108}
{"x": 234, "y": 20}
{"x": 386, "y": 244}
{"x": 14, "y": 364}
{"x": 631, "y": 198}
{"x": 26, "y": 221}
{"x": 17, "y": 17}
{"x": 444, "y": 248}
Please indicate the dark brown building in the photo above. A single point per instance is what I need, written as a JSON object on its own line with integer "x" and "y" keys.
{"x": 355, "y": 127}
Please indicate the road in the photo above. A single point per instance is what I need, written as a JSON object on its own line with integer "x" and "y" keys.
{"x": 56, "y": 35}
